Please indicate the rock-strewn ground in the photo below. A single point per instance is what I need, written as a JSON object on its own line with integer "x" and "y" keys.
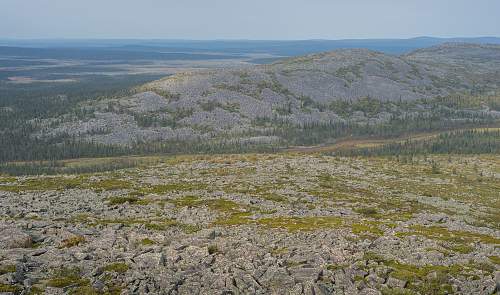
{"x": 257, "y": 224}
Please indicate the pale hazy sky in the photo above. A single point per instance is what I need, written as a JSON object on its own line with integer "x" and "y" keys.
{"x": 248, "y": 19}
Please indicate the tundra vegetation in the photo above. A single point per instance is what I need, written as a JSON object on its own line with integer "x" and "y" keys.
{"x": 261, "y": 180}
{"x": 414, "y": 224}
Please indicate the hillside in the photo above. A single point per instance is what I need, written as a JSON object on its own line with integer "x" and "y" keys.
{"x": 298, "y": 101}
{"x": 384, "y": 179}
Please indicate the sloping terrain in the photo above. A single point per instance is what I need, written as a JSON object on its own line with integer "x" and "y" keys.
{"x": 257, "y": 224}
{"x": 306, "y": 221}
{"x": 261, "y": 103}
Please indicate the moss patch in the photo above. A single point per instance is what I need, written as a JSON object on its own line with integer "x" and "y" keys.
{"x": 122, "y": 200}
{"x": 428, "y": 279}
{"x": 151, "y": 223}
{"x": 9, "y": 288}
{"x": 118, "y": 267}
{"x": 65, "y": 277}
{"x": 187, "y": 201}
{"x": 63, "y": 183}
{"x": 366, "y": 228}
{"x": 495, "y": 259}
{"x": 212, "y": 249}
{"x": 7, "y": 269}
{"x": 147, "y": 242}
{"x": 444, "y": 234}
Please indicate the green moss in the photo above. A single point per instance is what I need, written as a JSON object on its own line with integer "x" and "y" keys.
{"x": 7, "y": 269}
{"x": 223, "y": 205}
{"x": 435, "y": 285}
{"x": 463, "y": 249}
{"x": 279, "y": 251}
{"x": 212, "y": 249}
{"x": 418, "y": 276}
{"x": 495, "y": 259}
{"x": 267, "y": 211}
{"x": 444, "y": 252}
{"x": 358, "y": 278}
{"x": 47, "y": 183}
{"x": 187, "y": 201}
{"x": 35, "y": 290}
{"x": 65, "y": 277}
{"x": 84, "y": 290}
{"x": 189, "y": 228}
{"x": 226, "y": 208}
{"x": 111, "y": 286}
{"x": 111, "y": 184}
{"x": 118, "y": 267}
{"x": 396, "y": 291}
{"x": 158, "y": 226}
{"x": 301, "y": 223}
{"x": 122, "y": 200}
{"x": 443, "y": 234}
{"x": 482, "y": 266}
{"x": 154, "y": 223}
{"x": 64, "y": 183}
{"x": 147, "y": 242}
{"x": 328, "y": 181}
{"x": 61, "y": 282}
{"x": 371, "y": 256}
{"x": 7, "y": 180}
{"x": 429, "y": 279}
{"x": 9, "y": 288}
{"x": 366, "y": 228}
{"x": 334, "y": 267}
{"x": 412, "y": 273}
{"x": 273, "y": 197}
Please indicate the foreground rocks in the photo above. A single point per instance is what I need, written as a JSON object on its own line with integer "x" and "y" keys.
{"x": 254, "y": 224}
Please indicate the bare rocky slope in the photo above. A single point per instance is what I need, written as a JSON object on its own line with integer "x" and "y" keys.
{"x": 246, "y": 103}
{"x": 256, "y": 224}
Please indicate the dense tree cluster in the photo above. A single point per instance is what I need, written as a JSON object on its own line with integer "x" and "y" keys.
{"x": 22, "y": 109}
{"x": 480, "y": 141}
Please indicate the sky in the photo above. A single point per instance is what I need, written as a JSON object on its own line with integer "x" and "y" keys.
{"x": 248, "y": 19}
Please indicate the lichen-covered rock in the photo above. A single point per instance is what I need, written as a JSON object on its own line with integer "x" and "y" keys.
{"x": 283, "y": 223}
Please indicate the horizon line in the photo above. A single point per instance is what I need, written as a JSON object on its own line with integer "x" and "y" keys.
{"x": 235, "y": 39}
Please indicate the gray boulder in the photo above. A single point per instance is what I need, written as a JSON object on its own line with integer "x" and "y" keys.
{"x": 11, "y": 238}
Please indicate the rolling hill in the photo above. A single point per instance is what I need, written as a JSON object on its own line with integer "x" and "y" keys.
{"x": 305, "y": 100}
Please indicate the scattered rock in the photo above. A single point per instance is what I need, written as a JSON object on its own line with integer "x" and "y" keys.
{"x": 11, "y": 238}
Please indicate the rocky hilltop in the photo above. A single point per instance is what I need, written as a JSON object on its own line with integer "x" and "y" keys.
{"x": 250, "y": 103}
{"x": 256, "y": 224}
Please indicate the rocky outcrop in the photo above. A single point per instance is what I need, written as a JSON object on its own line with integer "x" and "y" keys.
{"x": 296, "y": 92}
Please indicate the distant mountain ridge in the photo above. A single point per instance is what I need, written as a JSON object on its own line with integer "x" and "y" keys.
{"x": 281, "y": 48}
